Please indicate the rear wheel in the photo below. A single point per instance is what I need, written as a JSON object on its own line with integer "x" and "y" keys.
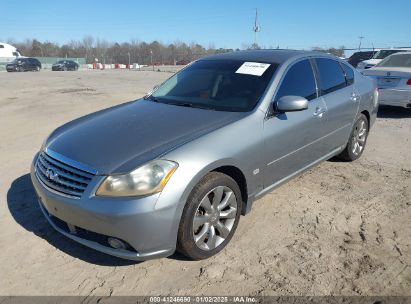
{"x": 210, "y": 216}
{"x": 358, "y": 139}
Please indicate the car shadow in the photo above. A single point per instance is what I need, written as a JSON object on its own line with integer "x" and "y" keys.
{"x": 23, "y": 206}
{"x": 393, "y": 112}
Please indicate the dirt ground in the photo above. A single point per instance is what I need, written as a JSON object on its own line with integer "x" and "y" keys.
{"x": 339, "y": 229}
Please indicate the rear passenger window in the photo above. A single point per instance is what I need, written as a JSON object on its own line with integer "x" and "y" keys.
{"x": 299, "y": 81}
{"x": 349, "y": 74}
{"x": 331, "y": 75}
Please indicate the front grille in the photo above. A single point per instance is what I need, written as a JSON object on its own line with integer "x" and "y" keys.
{"x": 61, "y": 177}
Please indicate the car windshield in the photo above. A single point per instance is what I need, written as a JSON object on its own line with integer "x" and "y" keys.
{"x": 61, "y": 61}
{"x": 384, "y": 53}
{"x": 398, "y": 60}
{"x": 221, "y": 85}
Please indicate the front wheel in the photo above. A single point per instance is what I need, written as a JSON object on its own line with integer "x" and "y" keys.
{"x": 358, "y": 139}
{"x": 210, "y": 216}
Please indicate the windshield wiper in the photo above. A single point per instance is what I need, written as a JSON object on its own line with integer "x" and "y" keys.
{"x": 189, "y": 105}
{"x": 151, "y": 97}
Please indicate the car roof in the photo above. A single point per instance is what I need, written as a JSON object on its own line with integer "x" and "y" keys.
{"x": 269, "y": 56}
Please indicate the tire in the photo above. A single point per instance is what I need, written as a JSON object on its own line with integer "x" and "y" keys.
{"x": 37, "y": 69}
{"x": 20, "y": 69}
{"x": 357, "y": 141}
{"x": 201, "y": 219}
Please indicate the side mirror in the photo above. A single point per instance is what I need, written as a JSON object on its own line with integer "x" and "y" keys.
{"x": 291, "y": 104}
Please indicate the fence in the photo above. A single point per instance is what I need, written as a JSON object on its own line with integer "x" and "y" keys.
{"x": 47, "y": 62}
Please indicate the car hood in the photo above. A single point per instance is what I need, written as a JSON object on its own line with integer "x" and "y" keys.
{"x": 121, "y": 138}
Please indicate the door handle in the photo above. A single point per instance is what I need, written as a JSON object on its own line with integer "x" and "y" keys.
{"x": 319, "y": 112}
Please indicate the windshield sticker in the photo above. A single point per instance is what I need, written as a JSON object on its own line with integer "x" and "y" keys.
{"x": 253, "y": 68}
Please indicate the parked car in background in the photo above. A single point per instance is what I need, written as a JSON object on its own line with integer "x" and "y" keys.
{"x": 378, "y": 57}
{"x": 178, "y": 167}
{"x": 65, "y": 65}
{"x": 357, "y": 57}
{"x": 183, "y": 62}
{"x": 23, "y": 64}
{"x": 393, "y": 76}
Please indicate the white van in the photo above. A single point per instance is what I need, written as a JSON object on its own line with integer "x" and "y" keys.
{"x": 8, "y": 52}
{"x": 379, "y": 56}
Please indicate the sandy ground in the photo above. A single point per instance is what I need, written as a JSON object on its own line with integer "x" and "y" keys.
{"x": 339, "y": 229}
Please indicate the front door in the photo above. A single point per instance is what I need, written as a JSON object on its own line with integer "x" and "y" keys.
{"x": 293, "y": 140}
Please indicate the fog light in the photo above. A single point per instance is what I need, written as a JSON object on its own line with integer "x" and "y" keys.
{"x": 116, "y": 243}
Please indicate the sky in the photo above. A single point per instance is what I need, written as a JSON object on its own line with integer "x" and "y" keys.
{"x": 295, "y": 24}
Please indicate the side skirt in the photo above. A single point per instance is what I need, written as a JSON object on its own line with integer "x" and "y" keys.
{"x": 260, "y": 194}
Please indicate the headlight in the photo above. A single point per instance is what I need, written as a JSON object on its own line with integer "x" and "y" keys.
{"x": 148, "y": 179}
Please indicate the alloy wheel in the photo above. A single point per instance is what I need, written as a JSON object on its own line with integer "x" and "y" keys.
{"x": 359, "y": 137}
{"x": 214, "y": 218}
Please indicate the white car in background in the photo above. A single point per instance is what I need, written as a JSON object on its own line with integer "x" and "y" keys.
{"x": 378, "y": 57}
{"x": 393, "y": 76}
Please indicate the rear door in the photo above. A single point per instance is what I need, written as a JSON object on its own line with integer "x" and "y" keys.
{"x": 337, "y": 87}
{"x": 293, "y": 139}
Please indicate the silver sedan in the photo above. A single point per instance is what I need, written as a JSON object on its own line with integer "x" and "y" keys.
{"x": 393, "y": 76}
{"x": 177, "y": 168}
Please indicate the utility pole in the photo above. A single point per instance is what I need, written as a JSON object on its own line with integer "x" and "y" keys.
{"x": 361, "y": 38}
{"x": 256, "y": 29}
{"x": 151, "y": 58}
{"x": 129, "y": 67}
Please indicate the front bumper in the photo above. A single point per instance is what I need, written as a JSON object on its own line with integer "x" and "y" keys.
{"x": 11, "y": 68}
{"x": 150, "y": 231}
{"x": 395, "y": 97}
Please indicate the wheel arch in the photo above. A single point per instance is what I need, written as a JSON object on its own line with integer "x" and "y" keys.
{"x": 238, "y": 176}
{"x": 367, "y": 114}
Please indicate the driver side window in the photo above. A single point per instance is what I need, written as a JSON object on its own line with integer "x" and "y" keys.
{"x": 299, "y": 81}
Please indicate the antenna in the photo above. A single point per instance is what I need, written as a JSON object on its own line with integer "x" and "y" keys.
{"x": 361, "y": 38}
{"x": 256, "y": 28}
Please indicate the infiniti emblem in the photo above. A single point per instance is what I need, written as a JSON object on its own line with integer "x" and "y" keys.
{"x": 51, "y": 175}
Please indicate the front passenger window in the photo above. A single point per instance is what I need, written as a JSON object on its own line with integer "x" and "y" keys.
{"x": 299, "y": 81}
